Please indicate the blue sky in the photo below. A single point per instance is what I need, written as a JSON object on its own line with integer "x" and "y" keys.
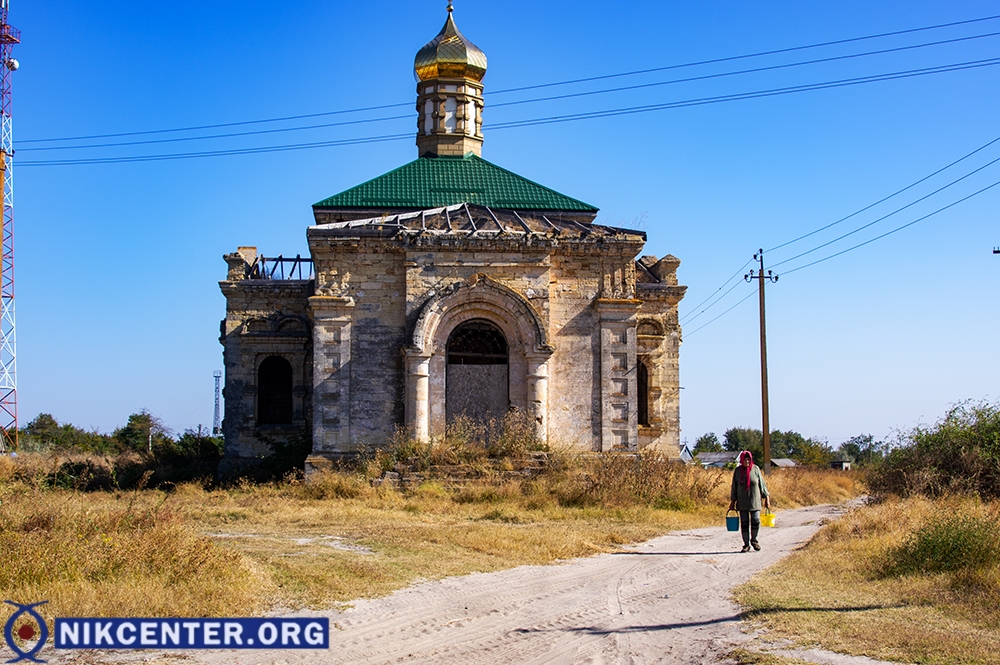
{"x": 117, "y": 264}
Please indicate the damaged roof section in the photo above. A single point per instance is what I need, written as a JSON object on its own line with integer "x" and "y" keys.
{"x": 480, "y": 221}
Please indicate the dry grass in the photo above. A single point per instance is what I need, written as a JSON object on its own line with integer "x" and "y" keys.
{"x": 116, "y": 554}
{"x": 251, "y": 548}
{"x": 794, "y": 488}
{"x": 750, "y": 657}
{"x": 838, "y": 592}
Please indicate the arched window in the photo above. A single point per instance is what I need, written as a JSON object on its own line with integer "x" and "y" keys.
{"x": 477, "y": 381}
{"x": 274, "y": 392}
{"x": 477, "y": 342}
{"x": 642, "y": 379}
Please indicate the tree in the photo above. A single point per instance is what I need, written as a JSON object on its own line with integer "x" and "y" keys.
{"x": 708, "y": 443}
{"x": 862, "y": 449}
{"x": 812, "y": 453}
{"x": 45, "y": 433}
{"x": 142, "y": 429}
{"x": 788, "y": 444}
{"x": 737, "y": 439}
{"x": 44, "y": 426}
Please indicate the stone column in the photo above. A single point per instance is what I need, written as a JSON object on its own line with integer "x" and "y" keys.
{"x": 332, "y": 319}
{"x": 417, "y": 411}
{"x": 619, "y": 413}
{"x": 538, "y": 394}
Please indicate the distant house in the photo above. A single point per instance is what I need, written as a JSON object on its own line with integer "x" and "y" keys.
{"x": 841, "y": 464}
{"x": 686, "y": 455}
{"x": 726, "y": 458}
{"x": 717, "y": 459}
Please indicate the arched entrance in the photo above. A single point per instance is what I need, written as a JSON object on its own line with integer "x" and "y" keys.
{"x": 477, "y": 382}
{"x": 477, "y": 299}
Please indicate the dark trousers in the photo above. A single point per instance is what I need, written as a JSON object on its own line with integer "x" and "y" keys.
{"x": 749, "y": 525}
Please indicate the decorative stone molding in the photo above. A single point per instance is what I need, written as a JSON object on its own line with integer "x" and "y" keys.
{"x": 426, "y": 363}
{"x": 485, "y": 293}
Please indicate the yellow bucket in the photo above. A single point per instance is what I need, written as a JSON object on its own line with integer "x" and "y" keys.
{"x": 767, "y": 519}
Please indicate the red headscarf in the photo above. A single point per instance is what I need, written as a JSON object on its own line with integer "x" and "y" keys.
{"x": 747, "y": 455}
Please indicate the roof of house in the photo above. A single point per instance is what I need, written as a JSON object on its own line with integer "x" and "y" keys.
{"x": 479, "y": 221}
{"x": 717, "y": 459}
{"x": 429, "y": 182}
{"x": 723, "y": 458}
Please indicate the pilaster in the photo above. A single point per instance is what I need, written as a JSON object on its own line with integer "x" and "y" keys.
{"x": 619, "y": 387}
{"x": 332, "y": 325}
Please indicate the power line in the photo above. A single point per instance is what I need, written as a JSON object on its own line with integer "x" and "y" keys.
{"x": 218, "y": 136}
{"x": 217, "y": 126}
{"x": 522, "y": 88}
{"x": 899, "y": 228}
{"x": 754, "y": 70}
{"x": 750, "y": 55}
{"x": 705, "y": 325}
{"x": 716, "y": 301}
{"x": 875, "y": 78}
{"x": 883, "y": 200}
{"x": 884, "y": 217}
{"x": 970, "y": 154}
{"x": 220, "y": 153}
{"x": 518, "y": 102}
{"x": 554, "y": 119}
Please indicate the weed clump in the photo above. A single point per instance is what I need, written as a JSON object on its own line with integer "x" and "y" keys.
{"x": 961, "y": 542}
{"x": 958, "y": 455}
{"x": 466, "y": 442}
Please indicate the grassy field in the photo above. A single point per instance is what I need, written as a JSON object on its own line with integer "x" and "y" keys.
{"x": 254, "y": 548}
{"x": 911, "y": 580}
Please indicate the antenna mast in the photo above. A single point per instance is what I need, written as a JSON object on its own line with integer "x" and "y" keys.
{"x": 8, "y": 358}
{"x": 216, "y": 423}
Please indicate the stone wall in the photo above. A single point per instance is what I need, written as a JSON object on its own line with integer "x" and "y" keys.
{"x": 368, "y": 346}
{"x": 263, "y": 318}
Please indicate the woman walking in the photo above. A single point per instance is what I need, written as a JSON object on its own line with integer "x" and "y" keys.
{"x": 748, "y": 490}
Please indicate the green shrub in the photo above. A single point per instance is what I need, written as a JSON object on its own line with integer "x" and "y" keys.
{"x": 958, "y": 455}
{"x": 961, "y": 542}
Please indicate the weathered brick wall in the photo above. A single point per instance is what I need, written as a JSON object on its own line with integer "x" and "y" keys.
{"x": 574, "y": 376}
{"x": 263, "y": 318}
{"x": 599, "y": 320}
{"x": 369, "y": 272}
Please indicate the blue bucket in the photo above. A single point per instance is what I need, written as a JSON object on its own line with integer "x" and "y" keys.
{"x": 732, "y": 522}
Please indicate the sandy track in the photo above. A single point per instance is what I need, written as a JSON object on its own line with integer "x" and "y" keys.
{"x": 663, "y": 601}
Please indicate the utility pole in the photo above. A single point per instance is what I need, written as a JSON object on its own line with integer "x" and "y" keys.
{"x": 765, "y": 424}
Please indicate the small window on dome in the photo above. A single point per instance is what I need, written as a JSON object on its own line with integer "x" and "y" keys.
{"x": 450, "y": 112}
{"x": 428, "y": 117}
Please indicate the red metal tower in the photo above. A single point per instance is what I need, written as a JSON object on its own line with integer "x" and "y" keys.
{"x": 8, "y": 357}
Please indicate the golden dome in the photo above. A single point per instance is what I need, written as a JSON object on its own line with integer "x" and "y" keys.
{"x": 450, "y": 54}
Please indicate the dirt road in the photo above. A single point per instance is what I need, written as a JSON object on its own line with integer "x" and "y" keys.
{"x": 662, "y": 601}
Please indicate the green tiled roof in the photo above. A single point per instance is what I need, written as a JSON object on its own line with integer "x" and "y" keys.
{"x": 430, "y": 182}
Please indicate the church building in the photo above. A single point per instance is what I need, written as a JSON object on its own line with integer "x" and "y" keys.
{"x": 451, "y": 286}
